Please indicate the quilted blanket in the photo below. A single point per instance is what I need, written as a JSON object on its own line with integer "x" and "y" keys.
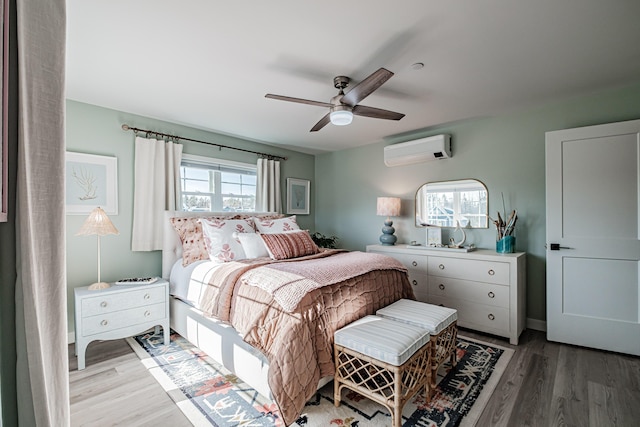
{"x": 298, "y": 340}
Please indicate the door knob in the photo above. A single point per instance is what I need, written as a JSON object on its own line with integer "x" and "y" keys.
{"x": 557, "y": 247}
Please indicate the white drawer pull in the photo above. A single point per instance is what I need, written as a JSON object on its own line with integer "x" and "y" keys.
{"x": 103, "y": 304}
{"x": 147, "y": 313}
{"x": 491, "y": 295}
{"x": 104, "y": 323}
{"x": 441, "y": 287}
{"x": 491, "y": 272}
{"x": 415, "y": 282}
{"x": 147, "y": 296}
{"x": 414, "y": 263}
{"x": 491, "y": 316}
{"x": 441, "y": 267}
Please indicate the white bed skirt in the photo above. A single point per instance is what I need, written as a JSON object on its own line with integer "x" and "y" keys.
{"x": 222, "y": 343}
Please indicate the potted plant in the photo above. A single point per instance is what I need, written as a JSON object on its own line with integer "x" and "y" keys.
{"x": 323, "y": 241}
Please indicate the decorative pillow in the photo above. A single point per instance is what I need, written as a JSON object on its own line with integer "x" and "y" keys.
{"x": 280, "y": 225}
{"x": 289, "y": 245}
{"x": 219, "y": 240}
{"x": 253, "y": 245}
{"x": 190, "y": 232}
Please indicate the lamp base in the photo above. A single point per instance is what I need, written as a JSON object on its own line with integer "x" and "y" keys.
{"x": 387, "y": 238}
{"x": 99, "y": 285}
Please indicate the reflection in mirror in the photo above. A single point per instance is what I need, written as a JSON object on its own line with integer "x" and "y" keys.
{"x": 443, "y": 203}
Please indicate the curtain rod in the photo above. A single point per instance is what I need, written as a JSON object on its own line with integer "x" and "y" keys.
{"x": 126, "y": 127}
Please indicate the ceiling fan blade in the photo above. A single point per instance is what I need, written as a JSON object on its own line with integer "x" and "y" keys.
{"x": 366, "y": 87}
{"x": 376, "y": 113}
{"x": 322, "y": 123}
{"x": 298, "y": 100}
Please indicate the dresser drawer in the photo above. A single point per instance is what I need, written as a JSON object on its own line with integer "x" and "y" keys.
{"x": 477, "y": 316}
{"x": 412, "y": 262}
{"x": 467, "y": 269}
{"x": 476, "y": 292}
{"x": 111, "y": 302}
{"x": 419, "y": 284}
{"x": 123, "y": 319}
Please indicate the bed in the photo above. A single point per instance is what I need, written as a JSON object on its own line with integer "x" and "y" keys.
{"x": 271, "y": 322}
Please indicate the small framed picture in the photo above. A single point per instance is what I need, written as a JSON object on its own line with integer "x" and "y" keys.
{"x": 298, "y": 196}
{"x": 91, "y": 182}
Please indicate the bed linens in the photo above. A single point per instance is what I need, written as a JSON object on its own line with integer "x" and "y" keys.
{"x": 298, "y": 340}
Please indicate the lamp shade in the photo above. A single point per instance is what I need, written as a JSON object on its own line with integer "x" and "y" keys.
{"x": 388, "y": 206}
{"x": 97, "y": 223}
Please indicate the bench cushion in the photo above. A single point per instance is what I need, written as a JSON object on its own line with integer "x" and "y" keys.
{"x": 432, "y": 317}
{"x": 383, "y": 339}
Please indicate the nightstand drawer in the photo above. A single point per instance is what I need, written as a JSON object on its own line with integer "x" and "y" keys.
{"x": 123, "y": 319}
{"x": 480, "y": 271}
{"x": 111, "y": 302}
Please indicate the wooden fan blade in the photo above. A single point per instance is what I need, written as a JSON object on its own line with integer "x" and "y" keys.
{"x": 366, "y": 87}
{"x": 322, "y": 123}
{"x": 376, "y": 113}
{"x": 298, "y": 100}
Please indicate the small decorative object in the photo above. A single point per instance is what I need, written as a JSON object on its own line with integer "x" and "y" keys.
{"x": 388, "y": 206}
{"x": 434, "y": 236}
{"x": 98, "y": 223}
{"x": 323, "y": 241}
{"x": 505, "y": 239}
{"x": 452, "y": 242}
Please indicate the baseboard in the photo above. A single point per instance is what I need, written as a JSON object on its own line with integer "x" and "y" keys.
{"x": 537, "y": 325}
{"x": 71, "y": 338}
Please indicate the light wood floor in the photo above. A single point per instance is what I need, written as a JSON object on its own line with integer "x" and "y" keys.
{"x": 545, "y": 384}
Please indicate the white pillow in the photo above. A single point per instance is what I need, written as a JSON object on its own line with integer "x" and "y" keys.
{"x": 252, "y": 245}
{"x": 280, "y": 225}
{"x": 219, "y": 240}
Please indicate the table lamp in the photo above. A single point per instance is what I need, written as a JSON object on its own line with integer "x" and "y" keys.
{"x": 98, "y": 223}
{"x": 388, "y": 206}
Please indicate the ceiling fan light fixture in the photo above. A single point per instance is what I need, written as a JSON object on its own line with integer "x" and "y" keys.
{"x": 341, "y": 115}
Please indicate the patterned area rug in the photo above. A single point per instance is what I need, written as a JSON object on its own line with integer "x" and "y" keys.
{"x": 209, "y": 395}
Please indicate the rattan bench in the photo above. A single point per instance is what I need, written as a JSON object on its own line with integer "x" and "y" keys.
{"x": 441, "y": 322}
{"x": 384, "y": 360}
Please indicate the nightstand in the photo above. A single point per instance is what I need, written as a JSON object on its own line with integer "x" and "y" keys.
{"x": 118, "y": 312}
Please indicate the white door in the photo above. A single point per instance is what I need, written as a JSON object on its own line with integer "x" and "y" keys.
{"x": 593, "y": 241}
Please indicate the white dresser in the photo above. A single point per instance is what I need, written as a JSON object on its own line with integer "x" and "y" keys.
{"x": 119, "y": 312}
{"x": 488, "y": 289}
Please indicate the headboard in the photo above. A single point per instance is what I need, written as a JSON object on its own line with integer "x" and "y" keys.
{"x": 172, "y": 246}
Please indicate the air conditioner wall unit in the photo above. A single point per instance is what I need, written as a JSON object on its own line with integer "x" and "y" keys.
{"x": 436, "y": 147}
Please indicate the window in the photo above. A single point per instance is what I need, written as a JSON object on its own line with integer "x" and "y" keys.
{"x": 210, "y": 184}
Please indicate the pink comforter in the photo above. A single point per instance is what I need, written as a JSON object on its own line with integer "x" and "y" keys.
{"x": 297, "y": 335}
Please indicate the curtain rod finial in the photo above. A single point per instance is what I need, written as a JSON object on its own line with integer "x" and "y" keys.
{"x": 125, "y": 127}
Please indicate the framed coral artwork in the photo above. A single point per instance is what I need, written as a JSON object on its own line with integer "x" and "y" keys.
{"x": 91, "y": 181}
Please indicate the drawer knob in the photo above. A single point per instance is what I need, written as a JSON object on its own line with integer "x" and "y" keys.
{"x": 441, "y": 266}
{"x": 415, "y": 282}
{"x": 441, "y": 287}
{"x": 491, "y": 316}
{"x": 491, "y": 295}
{"x": 414, "y": 263}
{"x": 104, "y": 323}
{"x": 147, "y": 296}
{"x": 103, "y": 304}
{"x": 147, "y": 313}
{"x": 491, "y": 272}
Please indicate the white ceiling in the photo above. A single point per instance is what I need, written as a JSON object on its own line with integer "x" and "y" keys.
{"x": 209, "y": 63}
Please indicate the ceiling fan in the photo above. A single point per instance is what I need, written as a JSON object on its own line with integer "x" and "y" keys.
{"x": 343, "y": 106}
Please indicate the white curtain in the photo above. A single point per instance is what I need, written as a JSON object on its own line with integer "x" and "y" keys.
{"x": 156, "y": 189}
{"x": 42, "y": 371}
{"x": 268, "y": 186}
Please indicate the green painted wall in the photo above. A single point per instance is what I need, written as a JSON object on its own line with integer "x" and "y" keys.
{"x": 97, "y": 130}
{"x": 506, "y": 153}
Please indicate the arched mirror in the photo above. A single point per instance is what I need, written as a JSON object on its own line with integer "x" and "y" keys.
{"x": 444, "y": 203}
